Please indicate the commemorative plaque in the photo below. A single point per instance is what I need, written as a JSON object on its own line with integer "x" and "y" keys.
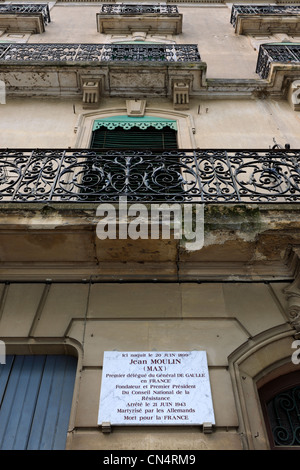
{"x": 155, "y": 388}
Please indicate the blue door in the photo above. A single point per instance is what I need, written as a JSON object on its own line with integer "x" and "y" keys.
{"x": 35, "y": 401}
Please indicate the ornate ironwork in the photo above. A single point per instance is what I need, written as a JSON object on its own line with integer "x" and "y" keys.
{"x": 284, "y": 415}
{"x": 137, "y": 9}
{"x": 284, "y": 52}
{"x": 262, "y": 10}
{"x": 99, "y": 52}
{"x": 211, "y": 176}
{"x": 25, "y": 8}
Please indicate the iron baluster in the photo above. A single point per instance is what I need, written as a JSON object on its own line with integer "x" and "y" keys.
{"x": 233, "y": 177}
{"x": 217, "y": 176}
{"x": 262, "y": 10}
{"x": 135, "y": 9}
{"x": 25, "y": 8}
{"x": 283, "y": 53}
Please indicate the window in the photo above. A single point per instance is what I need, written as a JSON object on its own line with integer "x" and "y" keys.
{"x": 123, "y": 132}
{"x": 35, "y": 401}
{"x": 138, "y": 165}
{"x": 280, "y": 400}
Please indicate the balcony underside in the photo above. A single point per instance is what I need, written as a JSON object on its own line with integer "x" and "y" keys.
{"x": 124, "y": 80}
{"x": 147, "y": 22}
{"x": 267, "y": 24}
{"x": 114, "y": 70}
{"x": 241, "y": 243}
{"x": 265, "y": 19}
{"x": 279, "y": 65}
{"x": 49, "y": 215}
{"x": 137, "y": 81}
{"x": 22, "y": 23}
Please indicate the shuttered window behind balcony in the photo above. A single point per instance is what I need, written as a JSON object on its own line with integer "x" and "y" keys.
{"x": 135, "y": 133}
{"x": 152, "y": 173}
{"x": 134, "y": 138}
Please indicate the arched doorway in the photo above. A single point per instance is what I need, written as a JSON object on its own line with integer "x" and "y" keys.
{"x": 280, "y": 402}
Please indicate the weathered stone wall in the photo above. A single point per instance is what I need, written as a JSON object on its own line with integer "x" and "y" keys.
{"x": 238, "y": 119}
{"x": 92, "y": 318}
{"x": 232, "y": 303}
{"x": 227, "y": 124}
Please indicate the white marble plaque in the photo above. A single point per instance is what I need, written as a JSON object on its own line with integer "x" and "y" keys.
{"x": 155, "y": 388}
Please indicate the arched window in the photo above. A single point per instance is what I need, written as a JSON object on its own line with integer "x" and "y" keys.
{"x": 36, "y": 394}
{"x": 280, "y": 401}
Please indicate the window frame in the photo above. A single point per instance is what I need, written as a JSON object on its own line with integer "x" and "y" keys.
{"x": 269, "y": 391}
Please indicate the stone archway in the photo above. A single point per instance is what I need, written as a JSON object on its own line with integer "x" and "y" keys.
{"x": 261, "y": 359}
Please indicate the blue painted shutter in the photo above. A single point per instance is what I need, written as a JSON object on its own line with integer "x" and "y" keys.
{"x": 35, "y": 401}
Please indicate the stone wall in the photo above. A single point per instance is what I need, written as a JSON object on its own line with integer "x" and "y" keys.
{"x": 87, "y": 319}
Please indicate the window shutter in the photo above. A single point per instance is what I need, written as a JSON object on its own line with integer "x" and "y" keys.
{"x": 152, "y": 177}
{"x": 36, "y": 396}
{"x": 134, "y": 138}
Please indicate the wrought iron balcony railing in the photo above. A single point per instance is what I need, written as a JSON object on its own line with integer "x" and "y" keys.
{"x": 286, "y": 53}
{"x": 211, "y": 176}
{"x": 78, "y": 53}
{"x": 27, "y": 8}
{"x": 137, "y": 9}
{"x": 262, "y": 10}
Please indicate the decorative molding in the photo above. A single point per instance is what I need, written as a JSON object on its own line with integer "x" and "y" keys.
{"x": 294, "y": 95}
{"x": 181, "y": 91}
{"x": 293, "y": 297}
{"x": 135, "y": 107}
{"x": 86, "y": 120}
{"x": 126, "y": 123}
{"x": 91, "y": 92}
{"x": 292, "y": 293}
{"x": 270, "y": 351}
{"x": 2, "y": 92}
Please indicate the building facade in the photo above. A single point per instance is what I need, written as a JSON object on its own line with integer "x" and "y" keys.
{"x": 195, "y": 104}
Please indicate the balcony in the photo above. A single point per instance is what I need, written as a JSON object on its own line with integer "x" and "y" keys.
{"x": 265, "y": 19}
{"x": 285, "y": 56}
{"x": 122, "y": 18}
{"x": 49, "y": 219}
{"x": 135, "y": 70}
{"x": 92, "y": 176}
{"x": 24, "y": 17}
{"x": 87, "y": 53}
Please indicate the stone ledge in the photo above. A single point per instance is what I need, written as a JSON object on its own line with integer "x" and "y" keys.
{"x": 267, "y": 24}
{"x": 131, "y": 80}
{"x": 147, "y": 22}
{"x": 240, "y": 243}
{"x": 22, "y": 23}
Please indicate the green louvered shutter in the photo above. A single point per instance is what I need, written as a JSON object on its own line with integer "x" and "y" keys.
{"x": 134, "y": 138}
